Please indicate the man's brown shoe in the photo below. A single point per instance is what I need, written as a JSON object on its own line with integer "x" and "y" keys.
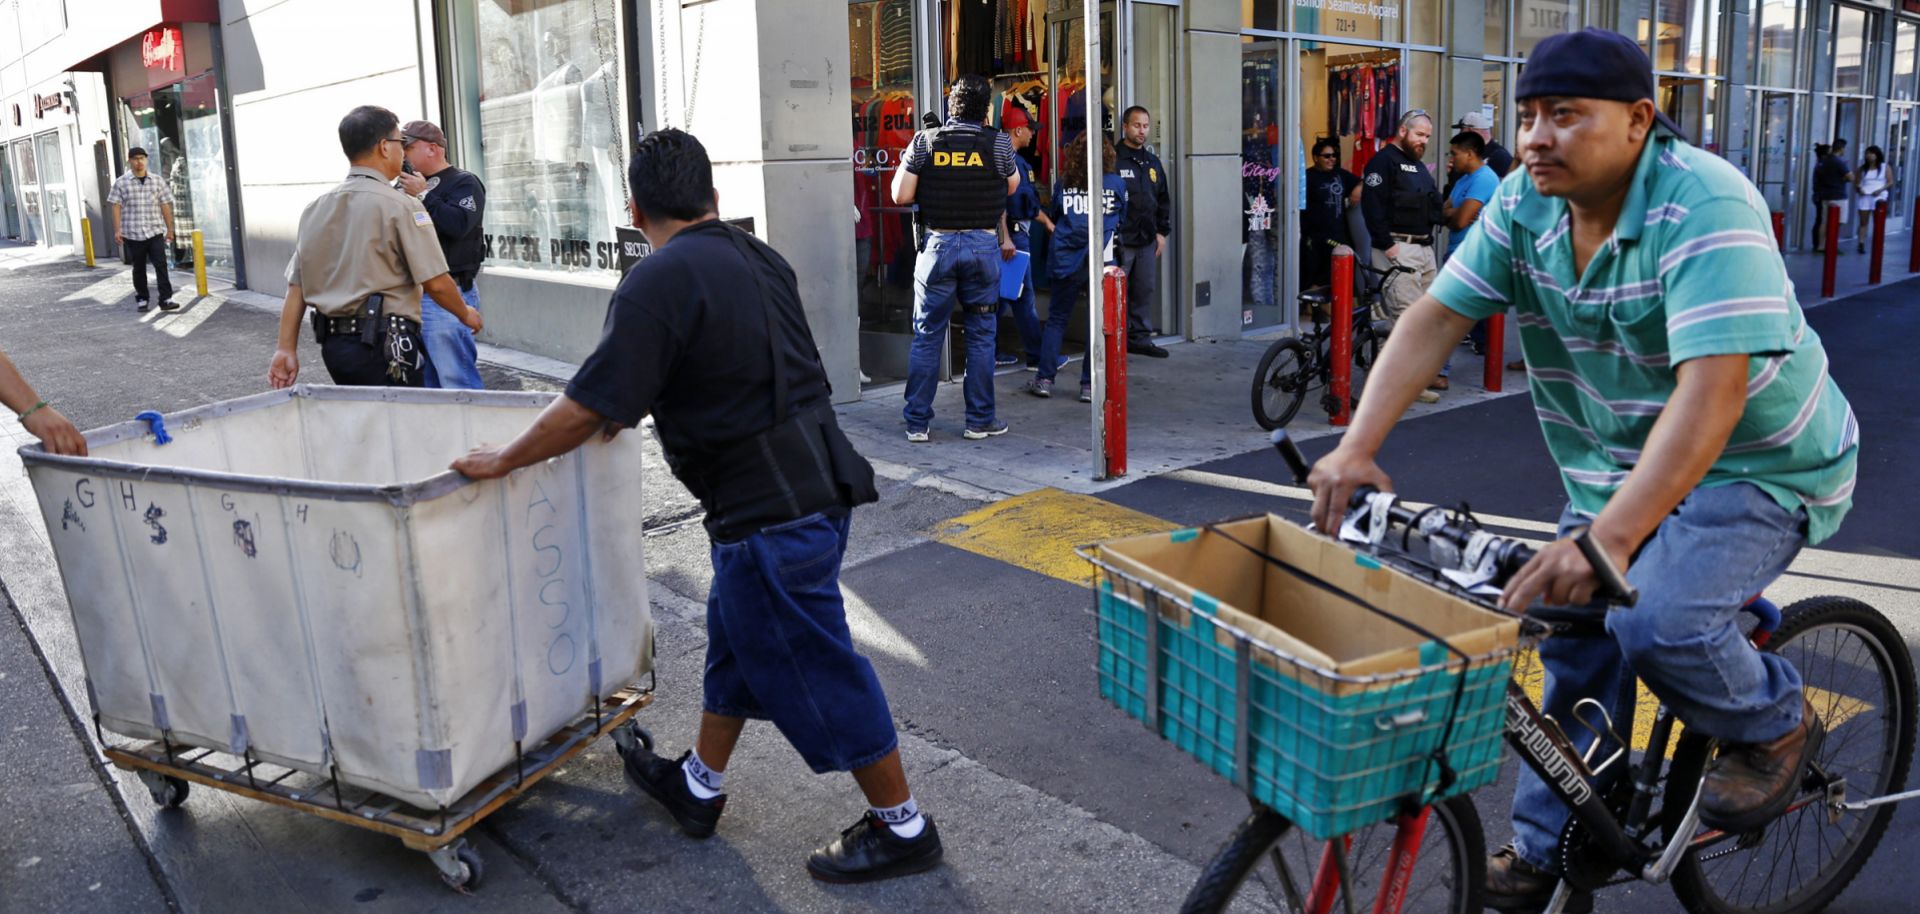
{"x": 1750, "y": 784}
{"x": 1514, "y": 885}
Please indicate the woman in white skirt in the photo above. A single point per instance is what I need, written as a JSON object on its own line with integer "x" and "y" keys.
{"x": 1869, "y": 190}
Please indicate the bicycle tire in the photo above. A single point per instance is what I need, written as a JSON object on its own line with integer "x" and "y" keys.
{"x": 1454, "y": 820}
{"x": 1693, "y": 883}
{"x": 1280, "y": 387}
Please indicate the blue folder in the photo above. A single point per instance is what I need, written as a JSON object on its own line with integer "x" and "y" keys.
{"x": 1013, "y": 275}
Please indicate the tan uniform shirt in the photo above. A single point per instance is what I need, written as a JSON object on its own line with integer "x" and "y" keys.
{"x": 364, "y": 237}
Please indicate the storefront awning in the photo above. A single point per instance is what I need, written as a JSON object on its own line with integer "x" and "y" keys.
{"x": 86, "y": 49}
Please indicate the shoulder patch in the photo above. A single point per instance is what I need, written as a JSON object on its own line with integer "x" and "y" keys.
{"x": 468, "y": 205}
{"x": 1373, "y": 179}
{"x": 421, "y": 218}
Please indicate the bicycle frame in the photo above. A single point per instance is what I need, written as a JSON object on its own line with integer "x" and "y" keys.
{"x": 1543, "y": 746}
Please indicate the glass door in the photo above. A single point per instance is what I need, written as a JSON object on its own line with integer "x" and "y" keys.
{"x": 53, "y": 189}
{"x": 1068, "y": 119}
{"x": 1262, "y": 169}
{"x": 1149, "y": 69}
{"x": 27, "y": 181}
{"x": 1774, "y": 175}
{"x": 203, "y": 173}
{"x": 9, "y": 196}
{"x": 1900, "y": 130}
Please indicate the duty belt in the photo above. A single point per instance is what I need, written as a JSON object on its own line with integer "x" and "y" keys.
{"x": 351, "y": 326}
{"x": 1416, "y": 239}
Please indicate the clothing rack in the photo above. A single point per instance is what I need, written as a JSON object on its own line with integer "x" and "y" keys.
{"x": 1354, "y": 61}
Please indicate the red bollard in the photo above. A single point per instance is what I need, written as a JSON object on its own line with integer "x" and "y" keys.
{"x": 1832, "y": 215}
{"x": 1341, "y": 353}
{"x": 1113, "y": 294}
{"x": 1879, "y": 242}
{"x": 1493, "y": 375}
{"x": 1913, "y": 259}
{"x": 1780, "y": 230}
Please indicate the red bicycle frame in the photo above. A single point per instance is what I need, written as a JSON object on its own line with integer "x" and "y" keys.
{"x": 1408, "y": 832}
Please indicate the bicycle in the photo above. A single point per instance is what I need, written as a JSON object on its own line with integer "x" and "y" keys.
{"x": 1641, "y": 826}
{"x": 1292, "y": 366}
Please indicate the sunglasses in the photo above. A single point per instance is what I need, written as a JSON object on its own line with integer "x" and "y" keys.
{"x": 1415, "y": 113}
{"x": 1326, "y": 155}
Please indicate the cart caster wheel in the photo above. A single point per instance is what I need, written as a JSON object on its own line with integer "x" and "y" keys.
{"x": 168, "y": 792}
{"x": 460, "y": 866}
{"x": 630, "y": 734}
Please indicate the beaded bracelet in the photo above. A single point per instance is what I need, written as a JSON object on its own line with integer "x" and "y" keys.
{"x": 36, "y": 408}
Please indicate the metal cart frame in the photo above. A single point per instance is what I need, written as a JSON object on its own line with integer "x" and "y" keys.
{"x": 166, "y": 768}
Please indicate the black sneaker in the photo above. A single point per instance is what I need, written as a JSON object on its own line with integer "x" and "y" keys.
{"x": 168, "y": 305}
{"x": 141, "y": 305}
{"x": 1147, "y": 348}
{"x": 869, "y": 851}
{"x": 664, "y": 781}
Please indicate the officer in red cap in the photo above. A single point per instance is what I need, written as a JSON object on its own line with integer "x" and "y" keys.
{"x": 1024, "y": 207}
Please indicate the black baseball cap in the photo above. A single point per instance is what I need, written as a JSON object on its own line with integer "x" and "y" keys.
{"x": 1591, "y": 63}
{"x": 140, "y": 151}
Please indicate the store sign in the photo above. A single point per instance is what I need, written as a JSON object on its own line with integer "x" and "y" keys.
{"x": 1361, "y": 9}
{"x": 45, "y": 103}
{"x": 163, "y": 49}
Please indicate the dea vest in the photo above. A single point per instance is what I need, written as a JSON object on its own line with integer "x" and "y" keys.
{"x": 960, "y": 187}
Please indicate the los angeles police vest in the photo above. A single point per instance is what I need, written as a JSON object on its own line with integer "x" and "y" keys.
{"x": 960, "y": 188}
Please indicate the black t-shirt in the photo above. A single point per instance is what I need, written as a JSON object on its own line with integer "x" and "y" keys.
{"x": 1326, "y": 212}
{"x": 457, "y": 201}
{"x": 686, "y": 339}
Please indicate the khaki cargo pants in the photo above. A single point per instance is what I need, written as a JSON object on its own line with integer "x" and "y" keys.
{"x": 1403, "y": 289}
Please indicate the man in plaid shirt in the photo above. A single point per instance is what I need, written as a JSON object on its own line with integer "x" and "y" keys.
{"x": 143, "y": 225}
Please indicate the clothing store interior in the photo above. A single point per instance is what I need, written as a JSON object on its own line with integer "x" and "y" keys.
{"x": 1038, "y": 69}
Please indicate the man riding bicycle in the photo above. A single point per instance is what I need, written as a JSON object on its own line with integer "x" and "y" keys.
{"x": 1687, "y": 404}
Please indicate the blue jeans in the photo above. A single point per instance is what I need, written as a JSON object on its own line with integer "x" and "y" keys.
{"x": 962, "y": 267}
{"x": 1066, "y": 294}
{"x": 1721, "y": 547}
{"x": 452, "y": 360}
{"x": 1024, "y": 316}
{"x": 778, "y": 647}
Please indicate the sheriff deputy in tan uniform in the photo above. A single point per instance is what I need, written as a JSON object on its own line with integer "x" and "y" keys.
{"x": 363, "y": 255}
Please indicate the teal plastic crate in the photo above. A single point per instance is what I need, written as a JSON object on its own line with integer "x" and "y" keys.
{"x": 1331, "y": 763}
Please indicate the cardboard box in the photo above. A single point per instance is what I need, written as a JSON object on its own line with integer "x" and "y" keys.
{"x": 1297, "y": 618}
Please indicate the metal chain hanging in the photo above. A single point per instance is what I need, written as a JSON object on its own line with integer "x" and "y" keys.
{"x": 660, "y": 59}
{"x": 611, "y": 55}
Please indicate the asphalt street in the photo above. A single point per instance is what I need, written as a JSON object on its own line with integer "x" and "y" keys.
{"x": 1049, "y": 798}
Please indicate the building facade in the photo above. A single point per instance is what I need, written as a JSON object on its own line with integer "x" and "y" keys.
{"x": 808, "y": 105}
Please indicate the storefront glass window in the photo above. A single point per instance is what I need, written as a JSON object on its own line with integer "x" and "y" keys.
{"x": 26, "y": 179}
{"x": 1779, "y": 38}
{"x": 1535, "y": 20}
{"x": 1371, "y": 20}
{"x": 1850, "y": 57}
{"x": 179, "y": 126}
{"x": 880, "y": 36}
{"x": 1263, "y": 168}
{"x": 1685, "y": 100}
{"x": 1493, "y": 94}
{"x": 1905, "y": 34}
{"x": 551, "y": 110}
{"x": 9, "y": 195}
{"x": 1424, "y": 22}
{"x": 1423, "y": 91}
{"x": 1496, "y": 28}
{"x": 1686, "y": 36}
{"x": 1267, "y": 15}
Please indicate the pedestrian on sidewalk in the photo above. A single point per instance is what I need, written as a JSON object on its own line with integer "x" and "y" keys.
{"x": 960, "y": 174}
{"x": 1474, "y": 184}
{"x": 143, "y": 227}
{"x": 1024, "y": 208}
{"x": 363, "y": 253}
{"x": 41, "y": 421}
{"x": 1870, "y": 190}
{"x": 709, "y": 336}
{"x": 1069, "y": 258}
{"x": 457, "y": 201}
{"x": 1831, "y": 174}
{"x": 1145, "y": 224}
{"x": 1402, "y": 206}
{"x": 1496, "y": 155}
{"x": 1330, "y": 192}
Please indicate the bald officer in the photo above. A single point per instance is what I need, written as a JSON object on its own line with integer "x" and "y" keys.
{"x": 364, "y": 252}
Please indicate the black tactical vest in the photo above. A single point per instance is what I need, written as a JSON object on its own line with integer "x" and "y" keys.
{"x": 960, "y": 188}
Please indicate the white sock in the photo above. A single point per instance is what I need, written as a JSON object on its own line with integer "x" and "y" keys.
{"x": 905, "y": 819}
{"x": 704, "y": 782}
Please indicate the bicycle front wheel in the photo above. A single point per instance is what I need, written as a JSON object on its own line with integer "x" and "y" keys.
{"x": 1859, "y": 677}
{"x": 1280, "y": 383}
{"x": 1447, "y": 874}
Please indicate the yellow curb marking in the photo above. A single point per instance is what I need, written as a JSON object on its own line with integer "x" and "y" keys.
{"x": 1039, "y": 530}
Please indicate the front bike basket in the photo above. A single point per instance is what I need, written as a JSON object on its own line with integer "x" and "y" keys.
{"x": 1260, "y": 649}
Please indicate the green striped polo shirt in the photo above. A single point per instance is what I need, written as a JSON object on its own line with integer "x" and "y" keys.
{"x": 1691, "y": 270}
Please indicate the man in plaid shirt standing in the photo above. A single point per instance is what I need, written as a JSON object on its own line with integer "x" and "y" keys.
{"x": 143, "y": 225}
